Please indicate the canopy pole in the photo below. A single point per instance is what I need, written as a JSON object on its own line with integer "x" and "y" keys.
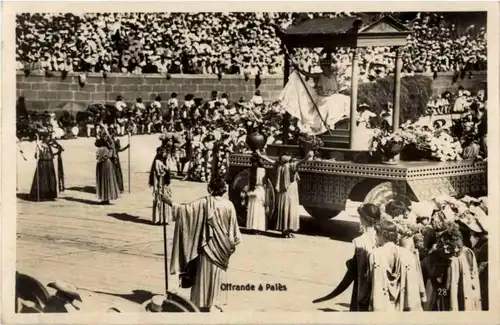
{"x": 354, "y": 100}
{"x": 286, "y": 76}
{"x": 397, "y": 89}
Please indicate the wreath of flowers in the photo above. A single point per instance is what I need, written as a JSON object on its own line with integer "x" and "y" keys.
{"x": 449, "y": 241}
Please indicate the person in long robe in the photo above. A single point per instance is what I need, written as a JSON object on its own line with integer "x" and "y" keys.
{"x": 206, "y": 235}
{"x": 323, "y": 103}
{"x": 475, "y": 237}
{"x": 60, "y": 166}
{"x": 159, "y": 180}
{"x": 357, "y": 266}
{"x": 256, "y": 206}
{"x": 287, "y": 189}
{"x": 116, "y": 149}
{"x": 44, "y": 186}
{"x": 106, "y": 183}
{"x": 451, "y": 273}
{"x": 393, "y": 273}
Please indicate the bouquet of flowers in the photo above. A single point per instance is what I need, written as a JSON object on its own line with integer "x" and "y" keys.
{"x": 388, "y": 144}
{"x": 309, "y": 142}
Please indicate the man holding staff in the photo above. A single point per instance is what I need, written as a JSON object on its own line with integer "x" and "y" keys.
{"x": 205, "y": 236}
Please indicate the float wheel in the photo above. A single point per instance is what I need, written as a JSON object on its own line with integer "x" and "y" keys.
{"x": 321, "y": 214}
{"x": 238, "y": 195}
{"x": 386, "y": 192}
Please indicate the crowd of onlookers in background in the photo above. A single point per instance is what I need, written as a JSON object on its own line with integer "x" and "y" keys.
{"x": 221, "y": 43}
{"x": 460, "y": 102}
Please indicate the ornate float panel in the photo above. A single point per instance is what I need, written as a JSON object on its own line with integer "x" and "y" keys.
{"x": 328, "y": 184}
{"x": 325, "y": 191}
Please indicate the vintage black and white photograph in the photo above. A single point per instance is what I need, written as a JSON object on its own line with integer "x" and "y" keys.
{"x": 252, "y": 161}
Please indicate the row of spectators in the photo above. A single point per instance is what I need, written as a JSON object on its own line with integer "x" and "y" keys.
{"x": 220, "y": 43}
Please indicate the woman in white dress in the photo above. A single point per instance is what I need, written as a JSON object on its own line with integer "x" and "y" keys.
{"x": 299, "y": 98}
{"x": 256, "y": 208}
{"x": 364, "y": 130}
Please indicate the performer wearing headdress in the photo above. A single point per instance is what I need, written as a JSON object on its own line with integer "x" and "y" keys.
{"x": 288, "y": 192}
{"x": 357, "y": 266}
{"x": 115, "y": 159}
{"x": 451, "y": 273}
{"x": 178, "y": 151}
{"x": 106, "y": 184}
{"x": 312, "y": 105}
{"x": 159, "y": 180}
{"x": 393, "y": 273}
{"x": 60, "y": 167}
{"x": 44, "y": 186}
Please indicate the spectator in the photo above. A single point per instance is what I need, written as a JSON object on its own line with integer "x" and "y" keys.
{"x": 213, "y": 43}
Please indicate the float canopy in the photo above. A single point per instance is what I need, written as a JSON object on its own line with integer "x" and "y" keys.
{"x": 350, "y": 32}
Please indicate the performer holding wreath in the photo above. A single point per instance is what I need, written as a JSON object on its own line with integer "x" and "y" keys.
{"x": 288, "y": 192}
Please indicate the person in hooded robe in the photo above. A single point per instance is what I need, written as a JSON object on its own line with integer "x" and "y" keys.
{"x": 159, "y": 181}
{"x": 44, "y": 185}
{"x": 106, "y": 184}
{"x": 392, "y": 272}
{"x": 357, "y": 266}
{"x": 475, "y": 236}
{"x": 451, "y": 273}
{"x": 117, "y": 148}
{"x": 287, "y": 209}
{"x": 205, "y": 236}
{"x": 318, "y": 105}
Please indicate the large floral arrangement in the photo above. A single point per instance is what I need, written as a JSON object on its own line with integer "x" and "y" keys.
{"x": 445, "y": 216}
{"x": 388, "y": 144}
{"x": 424, "y": 142}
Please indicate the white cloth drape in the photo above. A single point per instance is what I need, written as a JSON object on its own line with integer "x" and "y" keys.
{"x": 298, "y": 103}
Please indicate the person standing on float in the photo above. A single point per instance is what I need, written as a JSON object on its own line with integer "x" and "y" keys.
{"x": 357, "y": 266}
{"x": 205, "y": 236}
{"x": 288, "y": 218}
{"x": 323, "y": 103}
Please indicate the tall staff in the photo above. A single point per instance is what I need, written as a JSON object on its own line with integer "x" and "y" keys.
{"x": 129, "y": 161}
{"x": 37, "y": 171}
{"x": 165, "y": 250}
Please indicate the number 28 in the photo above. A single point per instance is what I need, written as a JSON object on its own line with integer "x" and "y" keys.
{"x": 442, "y": 292}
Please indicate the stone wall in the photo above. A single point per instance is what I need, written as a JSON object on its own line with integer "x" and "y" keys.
{"x": 42, "y": 92}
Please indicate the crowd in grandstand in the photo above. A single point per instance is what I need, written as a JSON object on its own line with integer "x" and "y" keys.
{"x": 220, "y": 43}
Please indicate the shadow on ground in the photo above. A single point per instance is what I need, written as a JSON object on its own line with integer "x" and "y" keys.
{"x": 260, "y": 233}
{"x": 83, "y": 189}
{"x": 137, "y": 296}
{"x": 84, "y": 201}
{"x": 24, "y": 196}
{"x": 130, "y": 218}
{"x": 342, "y": 230}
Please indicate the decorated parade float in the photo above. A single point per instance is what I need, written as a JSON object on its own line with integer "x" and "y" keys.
{"x": 404, "y": 160}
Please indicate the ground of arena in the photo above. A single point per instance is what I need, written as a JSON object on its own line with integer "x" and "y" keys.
{"x": 115, "y": 257}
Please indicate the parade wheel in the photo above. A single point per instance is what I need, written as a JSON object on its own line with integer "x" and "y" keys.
{"x": 238, "y": 196}
{"x": 185, "y": 303}
{"x": 321, "y": 214}
{"x": 386, "y": 192}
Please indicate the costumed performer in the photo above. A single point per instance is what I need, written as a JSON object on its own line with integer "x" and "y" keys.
{"x": 44, "y": 186}
{"x": 323, "y": 102}
{"x": 357, "y": 266}
{"x": 205, "y": 236}
{"x": 159, "y": 180}
{"x": 287, "y": 173}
